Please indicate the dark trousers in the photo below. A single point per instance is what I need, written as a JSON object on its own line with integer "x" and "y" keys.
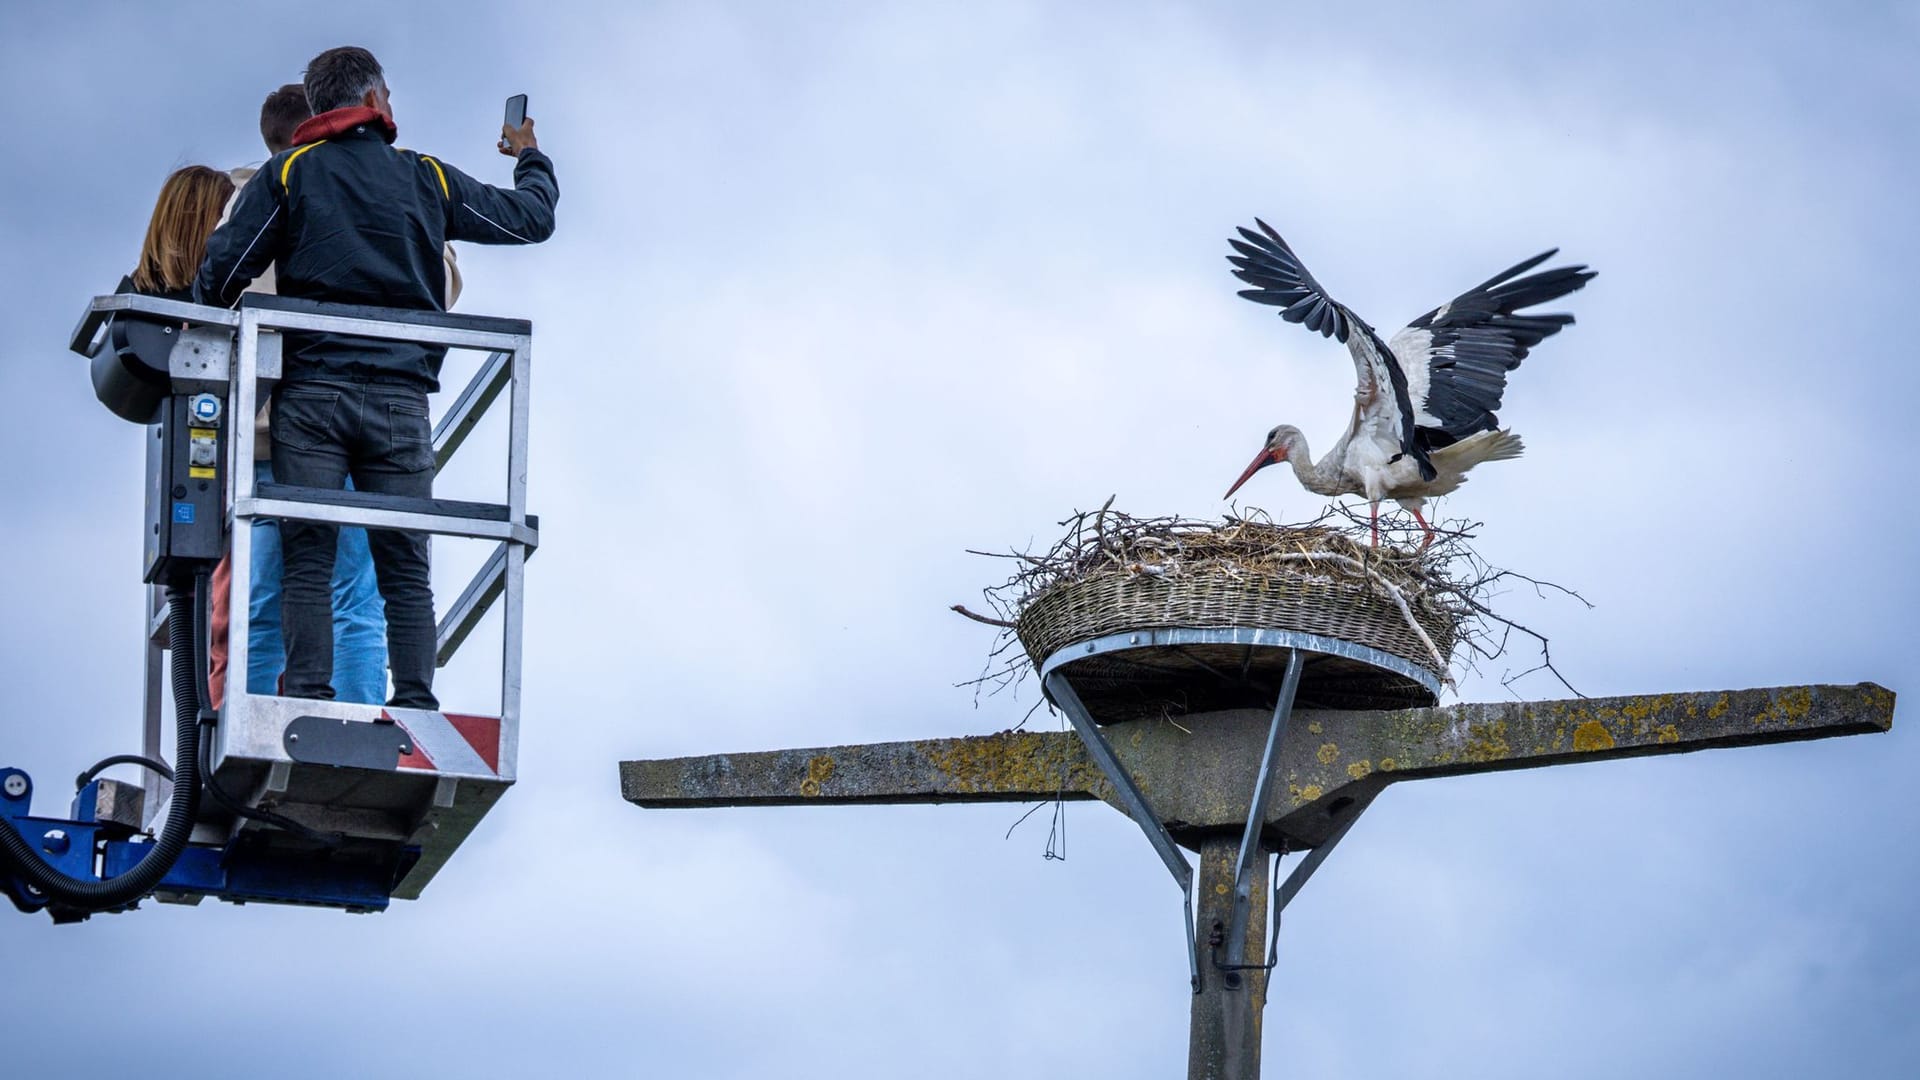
{"x": 377, "y": 433}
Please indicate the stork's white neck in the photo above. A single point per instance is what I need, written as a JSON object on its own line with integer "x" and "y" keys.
{"x": 1324, "y": 477}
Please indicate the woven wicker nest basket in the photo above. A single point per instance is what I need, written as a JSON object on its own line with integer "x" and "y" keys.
{"x": 1318, "y": 593}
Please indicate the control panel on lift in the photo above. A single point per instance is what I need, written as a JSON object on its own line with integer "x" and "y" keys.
{"x": 186, "y": 503}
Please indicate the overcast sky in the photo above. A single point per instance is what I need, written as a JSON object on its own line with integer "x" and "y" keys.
{"x": 841, "y": 290}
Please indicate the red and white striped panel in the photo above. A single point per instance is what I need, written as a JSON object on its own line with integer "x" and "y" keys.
{"x": 449, "y": 742}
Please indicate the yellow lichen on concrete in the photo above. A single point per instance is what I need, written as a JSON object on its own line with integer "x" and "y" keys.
{"x": 1387, "y": 764}
{"x": 819, "y": 771}
{"x": 1003, "y": 763}
{"x": 1789, "y": 708}
{"x": 1310, "y": 793}
{"x": 1316, "y": 727}
{"x": 1719, "y": 708}
{"x": 1669, "y": 734}
{"x": 1591, "y": 736}
{"x": 1487, "y": 742}
{"x": 1329, "y": 753}
{"x": 1359, "y": 769}
{"x": 1880, "y": 700}
{"x": 1641, "y": 711}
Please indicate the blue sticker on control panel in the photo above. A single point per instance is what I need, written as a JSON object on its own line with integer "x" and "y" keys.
{"x": 183, "y": 513}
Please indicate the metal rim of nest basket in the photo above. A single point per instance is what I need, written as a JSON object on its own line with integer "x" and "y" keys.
{"x": 1260, "y": 637}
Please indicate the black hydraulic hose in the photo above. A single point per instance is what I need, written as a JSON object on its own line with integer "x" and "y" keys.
{"x": 240, "y": 809}
{"x": 158, "y": 768}
{"x": 183, "y": 641}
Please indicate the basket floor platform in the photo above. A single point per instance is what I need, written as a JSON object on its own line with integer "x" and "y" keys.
{"x": 389, "y": 795}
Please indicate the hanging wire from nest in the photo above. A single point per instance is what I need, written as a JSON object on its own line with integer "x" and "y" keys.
{"x": 1421, "y": 605}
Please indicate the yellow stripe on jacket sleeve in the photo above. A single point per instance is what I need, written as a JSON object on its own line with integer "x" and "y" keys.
{"x": 437, "y": 172}
{"x": 286, "y": 167}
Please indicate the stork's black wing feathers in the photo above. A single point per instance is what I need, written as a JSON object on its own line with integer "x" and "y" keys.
{"x": 1514, "y": 271}
{"x": 1280, "y": 280}
{"x": 1468, "y": 346}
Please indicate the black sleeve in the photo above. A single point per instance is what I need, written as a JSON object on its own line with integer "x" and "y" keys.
{"x": 246, "y": 245}
{"x": 484, "y": 214}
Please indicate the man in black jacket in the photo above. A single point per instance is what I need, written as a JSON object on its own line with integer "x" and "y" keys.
{"x": 344, "y": 217}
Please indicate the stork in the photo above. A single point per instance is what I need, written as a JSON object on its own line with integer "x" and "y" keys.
{"x": 1423, "y": 410}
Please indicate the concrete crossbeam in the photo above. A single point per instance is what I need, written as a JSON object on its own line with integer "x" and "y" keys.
{"x": 1197, "y": 771}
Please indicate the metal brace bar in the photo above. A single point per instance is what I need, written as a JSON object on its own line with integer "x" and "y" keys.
{"x": 474, "y": 603}
{"x": 155, "y": 788}
{"x": 1101, "y": 752}
{"x": 85, "y": 338}
{"x": 438, "y": 524}
{"x": 157, "y": 614}
{"x": 384, "y": 329}
{"x": 470, "y": 406}
{"x": 1263, "y": 792}
{"x": 1288, "y": 889}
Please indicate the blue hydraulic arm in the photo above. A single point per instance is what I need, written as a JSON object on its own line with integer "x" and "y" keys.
{"x": 87, "y": 849}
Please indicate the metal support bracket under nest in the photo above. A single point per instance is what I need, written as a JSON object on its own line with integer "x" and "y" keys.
{"x": 1295, "y": 645}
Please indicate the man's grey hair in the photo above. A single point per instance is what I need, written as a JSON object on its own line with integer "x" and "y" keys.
{"x": 341, "y": 77}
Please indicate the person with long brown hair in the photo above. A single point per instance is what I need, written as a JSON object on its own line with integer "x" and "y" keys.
{"x": 189, "y": 208}
{"x": 191, "y": 203}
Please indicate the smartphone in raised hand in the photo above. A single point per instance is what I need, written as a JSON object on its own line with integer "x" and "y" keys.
{"x": 515, "y": 118}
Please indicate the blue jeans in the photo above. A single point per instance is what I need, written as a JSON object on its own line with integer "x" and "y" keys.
{"x": 359, "y": 615}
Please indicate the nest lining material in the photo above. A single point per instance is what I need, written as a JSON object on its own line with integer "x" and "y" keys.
{"x": 1114, "y": 573}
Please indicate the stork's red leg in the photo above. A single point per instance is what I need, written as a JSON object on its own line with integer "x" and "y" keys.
{"x": 1426, "y": 541}
{"x": 1376, "y": 525}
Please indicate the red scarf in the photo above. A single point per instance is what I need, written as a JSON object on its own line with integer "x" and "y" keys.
{"x": 337, "y": 121}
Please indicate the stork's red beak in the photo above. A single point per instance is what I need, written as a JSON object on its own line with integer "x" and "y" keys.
{"x": 1261, "y": 460}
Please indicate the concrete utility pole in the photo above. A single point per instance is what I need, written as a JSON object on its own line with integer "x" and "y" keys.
{"x": 1196, "y": 779}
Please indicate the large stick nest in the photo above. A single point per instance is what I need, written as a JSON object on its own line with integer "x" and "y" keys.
{"x": 1111, "y": 572}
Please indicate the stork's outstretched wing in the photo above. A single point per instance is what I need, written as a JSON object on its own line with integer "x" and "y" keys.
{"x": 1280, "y": 280}
{"x": 1457, "y": 356}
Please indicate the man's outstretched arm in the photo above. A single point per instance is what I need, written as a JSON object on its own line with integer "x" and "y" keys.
{"x": 485, "y": 214}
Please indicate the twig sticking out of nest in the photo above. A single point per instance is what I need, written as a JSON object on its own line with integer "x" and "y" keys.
{"x": 1449, "y": 583}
